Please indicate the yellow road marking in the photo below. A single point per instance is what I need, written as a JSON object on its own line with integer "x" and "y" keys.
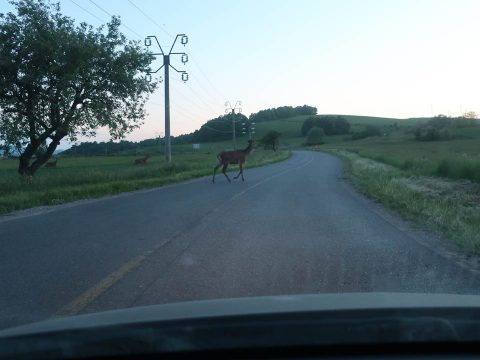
{"x": 82, "y": 301}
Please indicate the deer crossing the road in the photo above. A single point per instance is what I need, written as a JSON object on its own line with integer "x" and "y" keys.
{"x": 141, "y": 161}
{"x": 232, "y": 157}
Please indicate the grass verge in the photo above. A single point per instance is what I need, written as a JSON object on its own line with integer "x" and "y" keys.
{"x": 449, "y": 206}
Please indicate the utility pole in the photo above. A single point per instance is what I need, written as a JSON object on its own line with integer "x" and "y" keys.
{"x": 250, "y": 127}
{"x": 231, "y": 110}
{"x": 166, "y": 65}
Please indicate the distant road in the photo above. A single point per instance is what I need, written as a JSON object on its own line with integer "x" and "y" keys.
{"x": 291, "y": 227}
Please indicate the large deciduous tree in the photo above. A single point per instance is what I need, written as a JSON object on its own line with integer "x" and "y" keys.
{"x": 59, "y": 79}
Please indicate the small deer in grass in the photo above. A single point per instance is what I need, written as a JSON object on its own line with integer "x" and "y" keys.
{"x": 51, "y": 164}
{"x": 232, "y": 157}
{"x": 141, "y": 161}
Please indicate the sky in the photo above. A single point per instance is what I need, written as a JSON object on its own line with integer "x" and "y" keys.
{"x": 389, "y": 58}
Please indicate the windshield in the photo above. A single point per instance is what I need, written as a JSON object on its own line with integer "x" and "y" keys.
{"x": 162, "y": 152}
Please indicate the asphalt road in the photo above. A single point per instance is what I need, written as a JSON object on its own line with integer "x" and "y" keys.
{"x": 291, "y": 227}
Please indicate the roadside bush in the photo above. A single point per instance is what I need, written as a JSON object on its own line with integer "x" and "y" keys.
{"x": 315, "y": 136}
{"x": 431, "y": 133}
{"x": 369, "y": 131}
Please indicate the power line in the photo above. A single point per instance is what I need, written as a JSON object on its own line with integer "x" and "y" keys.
{"x": 216, "y": 99}
{"x": 125, "y": 26}
{"x": 149, "y": 18}
{"x": 201, "y": 99}
{"x": 220, "y": 131}
{"x": 186, "y": 112}
{"x": 194, "y": 103}
{"x": 166, "y": 67}
{"x": 221, "y": 96}
{"x": 87, "y": 11}
{"x": 206, "y": 78}
{"x": 231, "y": 109}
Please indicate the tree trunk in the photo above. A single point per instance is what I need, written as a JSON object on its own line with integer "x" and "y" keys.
{"x": 25, "y": 157}
{"x": 24, "y": 168}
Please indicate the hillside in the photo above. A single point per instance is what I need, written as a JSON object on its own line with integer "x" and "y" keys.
{"x": 289, "y": 128}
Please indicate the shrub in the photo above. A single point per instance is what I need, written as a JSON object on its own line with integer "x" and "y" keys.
{"x": 431, "y": 133}
{"x": 270, "y": 140}
{"x": 331, "y": 125}
{"x": 442, "y": 121}
{"x": 315, "y": 136}
{"x": 369, "y": 131}
{"x": 308, "y": 124}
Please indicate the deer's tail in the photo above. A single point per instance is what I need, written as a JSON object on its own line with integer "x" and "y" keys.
{"x": 219, "y": 157}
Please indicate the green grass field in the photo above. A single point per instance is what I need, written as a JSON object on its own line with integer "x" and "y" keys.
{"x": 90, "y": 177}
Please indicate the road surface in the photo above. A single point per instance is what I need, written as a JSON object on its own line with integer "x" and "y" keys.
{"x": 291, "y": 227}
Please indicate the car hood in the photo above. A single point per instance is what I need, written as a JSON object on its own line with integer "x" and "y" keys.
{"x": 250, "y": 306}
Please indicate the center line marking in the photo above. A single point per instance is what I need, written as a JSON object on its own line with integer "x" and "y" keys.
{"x": 82, "y": 301}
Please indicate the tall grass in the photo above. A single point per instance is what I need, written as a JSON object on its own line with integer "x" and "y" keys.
{"x": 458, "y": 158}
{"x": 459, "y": 168}
{"x": 449, "y": 206}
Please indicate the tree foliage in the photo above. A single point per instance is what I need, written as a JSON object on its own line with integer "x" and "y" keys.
{"x": 431, "y": 133}
{"x": 442, "y": 121}
{"x": 438, "y": 128}
{"x": 330, "y": 124}
{"x": 315, "y": 136}
{"x": 369, "y": 131}
{"x": 60, "y": 80}
{"x": 270, "y": 139}
{"x": 218, "y": 129}
{"x": 470, "y": 115}
{"x": 282, "y": 112}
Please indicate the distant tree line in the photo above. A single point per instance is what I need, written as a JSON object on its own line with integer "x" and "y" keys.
{"x": 282, "y": 112}
{"x": 218, "y": 129}
{"x": 108, "y": 148}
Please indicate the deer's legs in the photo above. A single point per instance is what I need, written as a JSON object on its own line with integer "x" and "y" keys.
{"x": 224, "y": 170}
{"x": 215, "y": 170}
{"x": 240, "y": 172}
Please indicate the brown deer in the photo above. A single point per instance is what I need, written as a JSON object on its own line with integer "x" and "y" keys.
{"x": 232, "y": 157}
{"x": 141, "y": 161}
{"x": 51, "y": 164}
